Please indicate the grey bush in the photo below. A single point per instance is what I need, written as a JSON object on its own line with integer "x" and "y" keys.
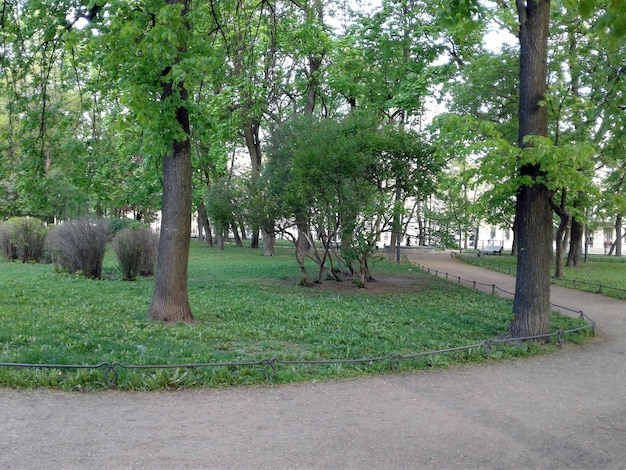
{"x": 79, "y": 246}
{"x": 23, "y": 238}
{"x": 136, "y": 250}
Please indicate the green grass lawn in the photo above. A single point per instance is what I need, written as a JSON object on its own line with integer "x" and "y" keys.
{"x": 600, "y": 274}
{"x": 247, "y": 308}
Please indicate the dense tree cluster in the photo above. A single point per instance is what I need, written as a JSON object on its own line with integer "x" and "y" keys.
{"x": 116, "y": 107}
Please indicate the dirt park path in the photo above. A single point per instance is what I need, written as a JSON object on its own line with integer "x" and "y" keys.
{"x": 566, "y": 410}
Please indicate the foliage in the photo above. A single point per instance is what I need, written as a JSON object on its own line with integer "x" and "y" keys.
{"x": 86, "y": 112}
{"x": 248, "y": 307}
{"x": 79, "y": 246}
{"x": 612, "y": 20}
{"x": 118, "y": 224}
{"x": 136, "y": 249}
{"x": 23, "y": 238}
{"x": 223, "y": 202}
{"x": 344, "y": 176}
{"x": 401, "y": 42}
{"x": 598, "y": 271}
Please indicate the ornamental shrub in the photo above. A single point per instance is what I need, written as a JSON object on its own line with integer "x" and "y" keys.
{"x": 6, "y": 241}
{"x": 23, "y": 238}
{"x": 136, "y": 248}
{"x": 79, "y": 246}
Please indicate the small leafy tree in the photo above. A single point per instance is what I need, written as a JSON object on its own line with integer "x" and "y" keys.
{"x": 79, "y": 246}
{"x": 136, "y": 249}
{"x": 348, "y": 177}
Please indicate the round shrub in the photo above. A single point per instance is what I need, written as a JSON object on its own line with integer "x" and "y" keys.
{"x": 79, "y": 246}
{"x": 136, "y": 249}
{"x": 23, "y": 238}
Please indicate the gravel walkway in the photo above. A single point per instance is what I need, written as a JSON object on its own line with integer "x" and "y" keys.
{"x": 566, "y": 410}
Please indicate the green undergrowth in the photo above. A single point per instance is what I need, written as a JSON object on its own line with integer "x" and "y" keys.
{"x": 600, "y": 274}
{"x": 247, "y": 308}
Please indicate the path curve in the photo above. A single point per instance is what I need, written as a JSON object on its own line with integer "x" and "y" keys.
{"x": 566, "y": 410}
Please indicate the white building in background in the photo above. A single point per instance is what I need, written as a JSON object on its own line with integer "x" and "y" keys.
{"x": 599, "y": 242}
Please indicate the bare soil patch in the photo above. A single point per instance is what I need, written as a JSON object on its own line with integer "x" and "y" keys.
{"x": 383, "y": 285}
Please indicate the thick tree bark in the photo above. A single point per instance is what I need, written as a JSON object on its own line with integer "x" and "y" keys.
{"x": 203, "y": 219}
{"x": 219, "y": 237}
{"x": 396, "y": 233}
{"x": 170, "y": 301}
{"x": 558, "y": 257}
{"x": 476, "y": 236}
{"x": 251, "y": 133}
{"x": 311, "y": 90}
{"x": 531, "y": 307}
{"x": 618, "y": 235}
{"x": 269, "y": 240}
{"x": 575, "y": 255}
{"x": 561, "y": 233}
{"x": 236, "y": 235}
{"x": 304, "y": 235}
{"x": 514, "y": 245}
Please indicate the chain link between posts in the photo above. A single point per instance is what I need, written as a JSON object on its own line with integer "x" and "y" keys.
{"x": 268, "y": 365}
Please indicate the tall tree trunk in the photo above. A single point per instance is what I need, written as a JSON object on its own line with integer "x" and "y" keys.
{"x": 236, "y": 235}
{"x": 219, "y": 237}
{"x": 476, "y": 236}
{"x": 560, "y": 239}
{"x": 531, "y": 307}
{"x": 396, "y": 233}
{"x": 575, "y": 255}
{"x": 577, "y": 229}
{"x": 421, "y": 226}
{"x": 170, "y": 301}
{"x": 204, "y": 219}
{"x": 514, "y": 243}
{"x": 251, "y": 133}
{"x": 269, "y": 240}
{"x": 314, "y": 12}
{"x": 200, "y": 228}
{"x": 315, "y": 62}
{"x": 315, "y": 59}
{"x": 618, "y": 235}
{"x": 304, "y": 234}
{"x": 561, "y": 233}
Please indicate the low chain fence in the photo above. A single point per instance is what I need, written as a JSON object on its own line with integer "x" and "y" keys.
{"x": 595, "y": 288}
{"x": 508, "y": 269}
{"x": 268, "y": 365}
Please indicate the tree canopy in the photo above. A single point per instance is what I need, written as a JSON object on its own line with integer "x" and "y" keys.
{"x": 115, "y": 108}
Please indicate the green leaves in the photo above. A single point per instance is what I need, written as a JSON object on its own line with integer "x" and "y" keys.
{"x": 463, "y": 13}
{"x": 399, "y": 45}
{"x": 497, "y": 161}
{"x": 567, "y": 166}
{"x": 611, "y": 17}
{"x": 145, "y": 50}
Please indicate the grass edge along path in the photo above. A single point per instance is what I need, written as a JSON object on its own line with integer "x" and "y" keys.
{"x": 250, "y": 311}
{"x": 599, "y": 275}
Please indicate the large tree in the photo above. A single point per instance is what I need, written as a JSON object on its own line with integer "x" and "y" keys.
{"x": 170, "y": 300}
{"x": 531, "y": 307}
{"x": 145, "y": 50}
{"x": 536, "y": 176}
